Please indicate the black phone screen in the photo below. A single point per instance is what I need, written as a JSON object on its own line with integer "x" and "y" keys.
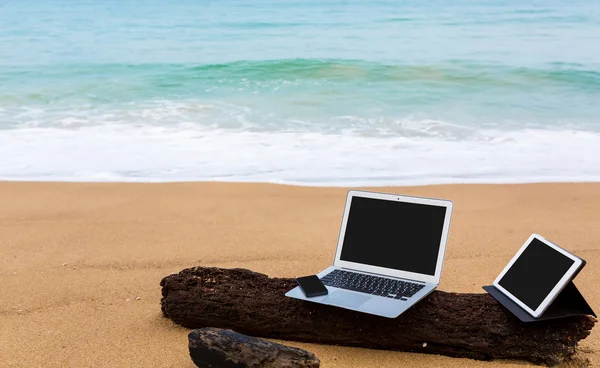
{"x": 311, "y": 286}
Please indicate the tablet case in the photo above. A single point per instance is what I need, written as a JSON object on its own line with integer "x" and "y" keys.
{"x": 568, "y": 303}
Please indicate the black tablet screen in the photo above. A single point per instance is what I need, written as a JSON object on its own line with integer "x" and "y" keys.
{"x": 535, "y": 273}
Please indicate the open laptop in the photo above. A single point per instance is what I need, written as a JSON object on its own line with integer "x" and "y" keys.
{"x": 389, "y": 253}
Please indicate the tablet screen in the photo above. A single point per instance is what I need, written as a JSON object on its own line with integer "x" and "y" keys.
{"x": 535, "y": 273}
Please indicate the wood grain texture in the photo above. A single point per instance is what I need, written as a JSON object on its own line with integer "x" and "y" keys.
{"x": 458, "y": 325}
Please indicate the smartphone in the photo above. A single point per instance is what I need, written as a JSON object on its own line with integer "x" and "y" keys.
{"x": 311, "y": 286}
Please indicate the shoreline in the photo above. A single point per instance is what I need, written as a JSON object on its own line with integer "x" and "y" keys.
{"x": 76, "y": 256}
{"x": 483, "y": 182}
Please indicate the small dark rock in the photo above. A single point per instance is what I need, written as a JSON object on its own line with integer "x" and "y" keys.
{"x": 214, "y": 347}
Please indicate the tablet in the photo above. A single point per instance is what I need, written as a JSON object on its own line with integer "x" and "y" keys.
{"x": 537, "y": 274}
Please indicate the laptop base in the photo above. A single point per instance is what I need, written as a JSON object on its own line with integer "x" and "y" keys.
{"x": 362, "y": 302}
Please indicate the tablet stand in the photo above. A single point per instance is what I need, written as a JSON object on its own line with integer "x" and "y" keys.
{"x": 568, "y": 303}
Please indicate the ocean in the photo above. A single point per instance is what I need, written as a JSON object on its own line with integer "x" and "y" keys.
{"x": 306, "y": 92}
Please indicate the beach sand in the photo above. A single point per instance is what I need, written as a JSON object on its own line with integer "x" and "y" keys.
{"x": 81, "y": 263}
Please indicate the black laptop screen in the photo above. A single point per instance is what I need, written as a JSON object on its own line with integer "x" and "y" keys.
{"x": 393, "y": 234}
{"x": 535, "y": 273}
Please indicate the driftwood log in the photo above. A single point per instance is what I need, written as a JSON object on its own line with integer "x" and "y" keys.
{"x": 219, "y": 348}
{"x": 458, "y": 325}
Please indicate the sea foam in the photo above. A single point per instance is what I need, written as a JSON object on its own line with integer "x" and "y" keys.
{"x": 193, "y": 153}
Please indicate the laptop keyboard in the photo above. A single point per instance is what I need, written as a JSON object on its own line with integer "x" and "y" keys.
{"x": 371, "y": 284}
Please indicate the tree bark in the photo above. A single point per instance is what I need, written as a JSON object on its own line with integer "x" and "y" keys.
{"x": 219, "y": 348}
{"x": 458, "y": 325}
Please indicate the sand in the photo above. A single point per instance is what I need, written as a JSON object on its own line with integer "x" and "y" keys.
{"x": 80, "y": 264}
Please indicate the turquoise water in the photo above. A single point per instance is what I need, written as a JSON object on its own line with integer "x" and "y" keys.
{"x": 307, "y": 92}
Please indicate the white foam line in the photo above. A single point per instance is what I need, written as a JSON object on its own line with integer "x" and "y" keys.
{"x": 157, "y": 154}
{"x": 335, "y": 184}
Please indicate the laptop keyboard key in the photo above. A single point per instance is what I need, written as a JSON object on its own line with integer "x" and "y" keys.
{"x": 370, "y": 284}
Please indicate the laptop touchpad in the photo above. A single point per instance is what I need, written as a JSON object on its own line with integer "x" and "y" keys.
{"x": 346, "y": 299}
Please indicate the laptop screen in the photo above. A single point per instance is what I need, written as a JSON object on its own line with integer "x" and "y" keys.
{"x": 393, "y": 234}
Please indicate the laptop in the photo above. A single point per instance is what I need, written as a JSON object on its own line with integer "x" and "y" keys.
{"x": 389, "y": 254}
